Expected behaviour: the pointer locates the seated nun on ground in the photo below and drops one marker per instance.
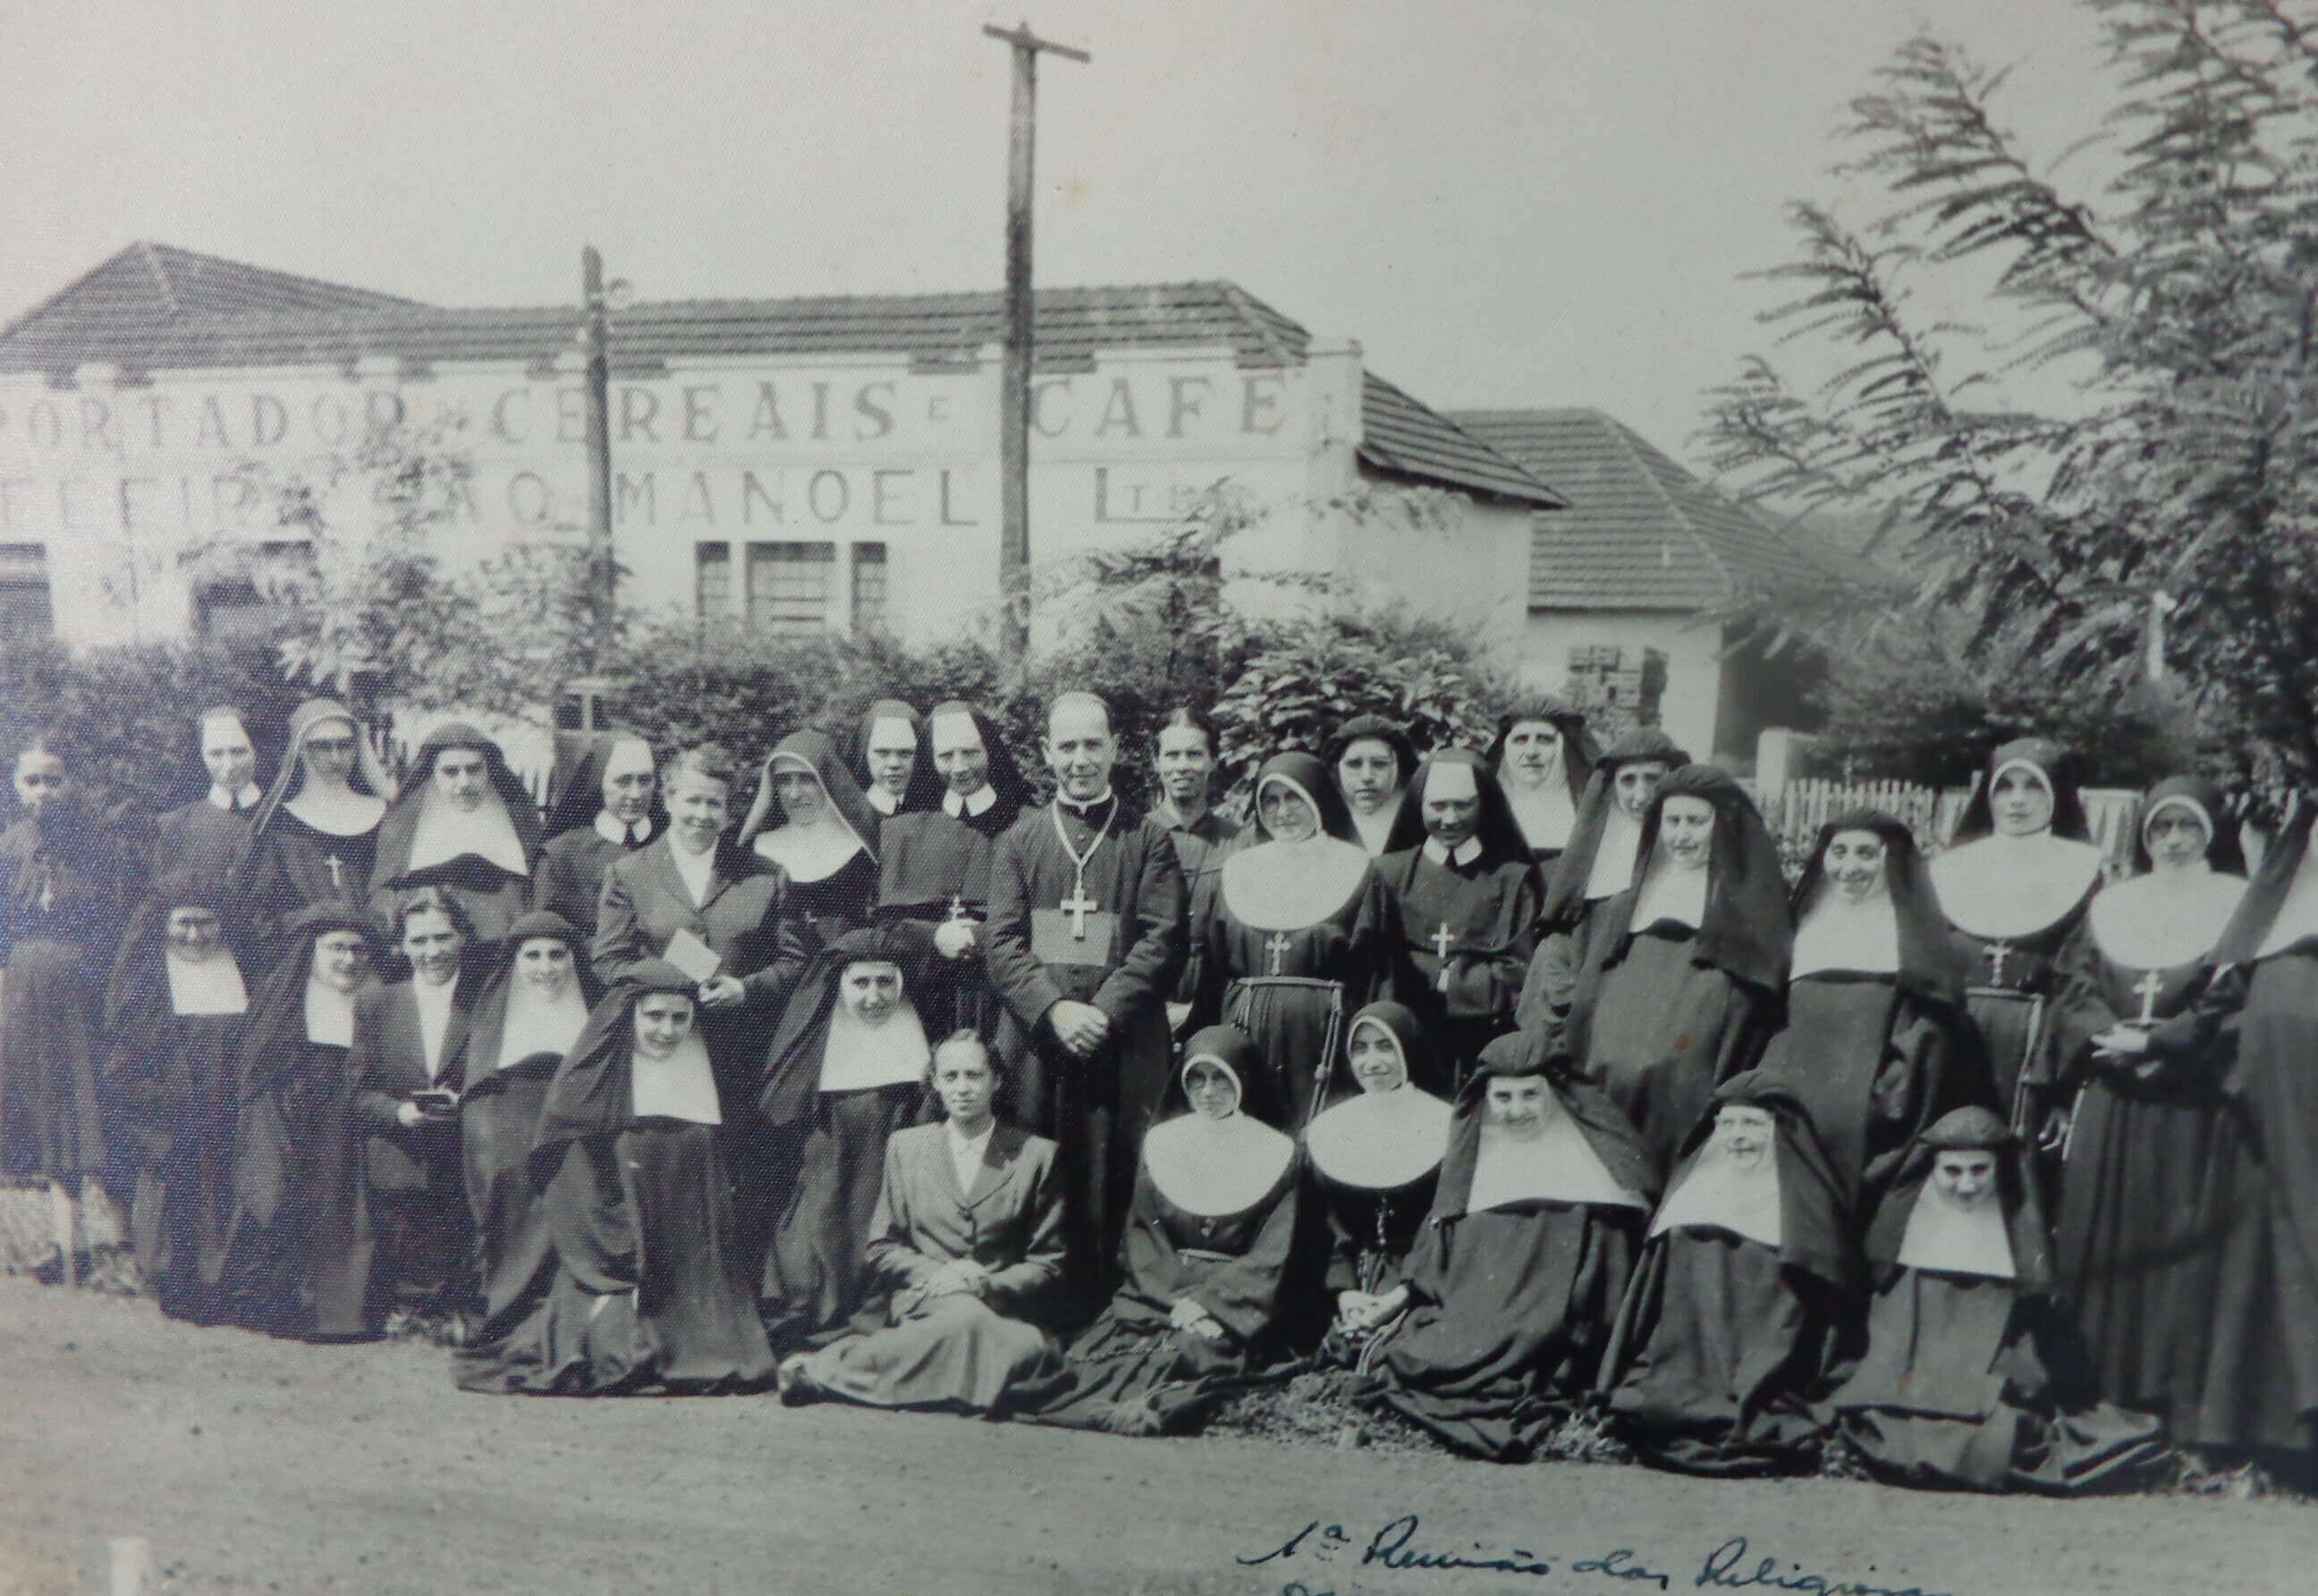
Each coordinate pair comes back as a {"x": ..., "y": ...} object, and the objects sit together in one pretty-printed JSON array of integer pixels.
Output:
[
  {"x": 1375, "y": 1154},
  {"x": 1514, "y": 1275},
  {"x": 1208, "y": 1235},
  {"x": 1728, "y": 1328},
  {"x": 649, "y": 1296},
  {"x": 966, "y": 1245},
  {"x": 1972, "y": 1377}
]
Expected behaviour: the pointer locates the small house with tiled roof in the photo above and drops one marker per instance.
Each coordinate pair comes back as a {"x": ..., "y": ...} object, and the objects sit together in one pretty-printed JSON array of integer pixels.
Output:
[
  {"x": 1633, "y": 584},
  {"x": 801, "y": 464}
]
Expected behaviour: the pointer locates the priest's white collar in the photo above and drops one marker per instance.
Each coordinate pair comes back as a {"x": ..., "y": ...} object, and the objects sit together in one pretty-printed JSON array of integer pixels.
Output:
[
  {"x": 881, "y": 800},
  {"x": 1466, "y": 851},
  {"x": 612, "y": 828},
  {"x": 980, "y": 801}
]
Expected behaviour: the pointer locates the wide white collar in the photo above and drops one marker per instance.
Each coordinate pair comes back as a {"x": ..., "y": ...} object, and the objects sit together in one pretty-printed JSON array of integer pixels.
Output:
[
  {"x": 447, "y": 832},
  {"x": 1837, "y": 934},
  {"x": 859, "y": 1057},
  {"x": 1213, "y": 1167},
  {"x": 2296, "y": 918},
  {"x": 1717, "y": 1194},
  {"x": 811, "y": 852},
  {"x": 329, "y": 1014},
  {"x": 1376, "y": 829},
  {"x": 339, "y": 812},
  {"x": 1614, "y": 856},
  {"x": 1286, "y": 887},
  {"x": 537, "y": 1025},
  {"x": 1467, "y": 851},
  {"x": 612, "y": 828},
  {"x": 1672, "y": 892},
  {"x": 1379, "y": 1141},
  {"x": 680, "y": 1086},
  {"x": 885, "y": 802},
  {"x": 1558, "y": 1165},
  {"x": 2165, "y": 919},
  {"x": 2006, "y": 888},
  {"x": 1956, "y": 1240},
  {"x": 980, "y": 801},
  {"x": 1545, "y": 813},
  {"x": 205, "y": 986}
]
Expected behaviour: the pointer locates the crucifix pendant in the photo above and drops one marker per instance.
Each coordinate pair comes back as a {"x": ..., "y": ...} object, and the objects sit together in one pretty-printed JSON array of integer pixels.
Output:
[
  {"x": 957, "y": 907},
  {"x": 1998, "y": 953},
  {"x": 2147, "y": 987},
  {"x": 1276, "y": 944},
  {"x": 1078, "y": 905},
  {"x": 1443, "y": 938},
  {"x": 337, "y": 873}
]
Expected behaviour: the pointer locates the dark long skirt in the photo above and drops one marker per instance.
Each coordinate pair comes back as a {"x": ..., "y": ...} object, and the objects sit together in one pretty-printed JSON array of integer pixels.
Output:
[
  {"x": 1959, "y": 1390},
  {"x": 514, "y": 1246},
  {"x": 1296, "y": 1023},
  {"x": 1714, "y": 1360},
  {"x": 1664, "y": 1032},
  {"x": 282, "y": 1169},
  {"x": 814, "y": 1284},
  {"x": 1132, "y": 1373},
  {"x": 179, "y": 1223},
  {"x": 648, "y": 1296},
  {"x": 52, "y": 1123},
  {"x": 1509, "y": 1337}
]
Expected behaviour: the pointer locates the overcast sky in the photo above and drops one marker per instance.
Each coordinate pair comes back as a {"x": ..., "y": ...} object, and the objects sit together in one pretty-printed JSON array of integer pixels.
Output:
[{"x": 1507, "y": 201}]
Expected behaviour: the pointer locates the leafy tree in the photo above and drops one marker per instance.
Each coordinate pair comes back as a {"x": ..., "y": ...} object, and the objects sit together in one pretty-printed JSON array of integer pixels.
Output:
[{"x": 2118, "y": 459}]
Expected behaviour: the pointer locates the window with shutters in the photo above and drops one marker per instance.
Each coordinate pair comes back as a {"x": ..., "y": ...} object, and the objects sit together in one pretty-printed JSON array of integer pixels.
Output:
[
  {"x": 869, "y": 587},
  {"x": 789, "y": 587}
]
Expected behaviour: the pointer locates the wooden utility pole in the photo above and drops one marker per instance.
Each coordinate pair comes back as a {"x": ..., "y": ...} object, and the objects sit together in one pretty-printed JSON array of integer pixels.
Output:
[
  {"x": 602, "y": 566},
  {"x": 1014, "y": 398}
]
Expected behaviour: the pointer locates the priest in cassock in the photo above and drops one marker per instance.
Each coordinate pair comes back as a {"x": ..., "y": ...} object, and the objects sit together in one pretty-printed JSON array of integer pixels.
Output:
[
  {"x": 891, "y": 762},
  {"x": 174, "y": 1012},
  {"x": 1086, "y": 936},
  {"x": 1208, "y": 1252},
  {"x": 1370, "y": 758},
  {"x": 315, "y": 835},
  {"x": 650, "y": 1295},
  {"x": 465, "y": 823},
  {"x": 205, "y": 835},
  {"x": 1543, "y": 757},
  {"x": 531, "y": 1010},
  {"x": 1469, "y": 895},
  {"x": 1972, "y": 1377},
  {"x": 810, "y": 818},
  {"x": 1683, "y": 975},
  {"x": 1514, "y": 1275},
  {"x": 290, "y": 1149},
  {"x": 2150, "y": 1124},
  {"x": 608, "y": 808},
  {"x": 967, "y": 1240},
  {"x": 1375, "y": 1154},
  {"x": 847, "y": 1069},
  {"x": 1728, "y": 1330},
  {"x": 2014, "y": 886},
  {"x": 1183, "y": 759},
  {"x": 1876, "y": 1043},
  {"x": 934, "y": 869},
  {"x": 1597, "y": 864},
  {"x": 1302, "y": 934},
  {"x": 2256, "y": 1391}
]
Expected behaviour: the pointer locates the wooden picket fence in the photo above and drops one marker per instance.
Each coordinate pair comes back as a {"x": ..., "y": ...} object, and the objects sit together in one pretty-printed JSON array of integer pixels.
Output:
[{"x": 1796, "y": 812}]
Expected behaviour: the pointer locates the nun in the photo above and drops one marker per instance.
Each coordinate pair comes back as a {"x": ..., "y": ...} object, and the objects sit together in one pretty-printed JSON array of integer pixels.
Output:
[
  {"x": 967, "y": 1244},
  {"x": 1970, "y": 1380},
  {"x": 532, "y": 1007},
  {"x": 59, "y": 918},
  {"x": 1469, "y": 895},
  {"x": 810, "y": 818},
  {"x": 464, "y": 824},
  {"x": 1370, "y": 759},
  {"x": 893, "y": 735},
  {"x": 1507, "y": 1295},
  {"x": 2150, "y": 1122},
  {"x": 1597, "y": 864},
  {"x": 1374, "y": 1153},
  {"x": 205, "y": 835},
  {"x": 1683, "y": 975},
  {"x": 174, "y": 1012},
  {"x": 847, "y": 1069},
  {"x": 2015, "y": 886},
  {"x": 650, "y": 1296},
  {"x": 2256, "y": 1391},
  {"x": 1543, "y": 757},
  {"x": 315, "y": 835},
  {"x": 1876, "y": 1043},
  {"x": 934, "y": 867},
  {"x": 1728, "y": 1331},
  {"x": 291, "y": 1148},
  {"x": 609, "y": 807},
  {"x": 1301, "y": 936},
  {"x": 1209, "y": 1232}
]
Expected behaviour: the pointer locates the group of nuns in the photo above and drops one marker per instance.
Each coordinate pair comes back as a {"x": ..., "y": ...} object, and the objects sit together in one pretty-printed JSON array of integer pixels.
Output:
[{"x": 1517, "y": 1084}]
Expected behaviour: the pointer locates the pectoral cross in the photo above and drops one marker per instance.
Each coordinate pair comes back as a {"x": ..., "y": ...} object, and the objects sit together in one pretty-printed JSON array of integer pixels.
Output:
[
  {"x": 1078, "y": 905},
  {"x": 48, "y": 894},
  {"x": 1998, "y": 952},
  {"x": 957, "y": 907},
  {"x": 338, "y": 878},
  {"x": 2147, "y": 987},
  {"x": 1441, "y": 939},
  {"x": 1276, "y": 944}
]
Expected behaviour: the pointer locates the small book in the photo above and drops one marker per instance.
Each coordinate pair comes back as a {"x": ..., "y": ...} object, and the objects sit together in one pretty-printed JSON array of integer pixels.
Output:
[{"x": 690, "y": 955}]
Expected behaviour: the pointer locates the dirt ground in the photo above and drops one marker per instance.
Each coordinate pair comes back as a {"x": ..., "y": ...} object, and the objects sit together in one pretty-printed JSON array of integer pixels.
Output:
[{"x": 253, "y": 1465}]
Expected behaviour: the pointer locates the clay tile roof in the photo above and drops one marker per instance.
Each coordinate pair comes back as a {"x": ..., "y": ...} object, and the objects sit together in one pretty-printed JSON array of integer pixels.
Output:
[
  {"x": 1640, "y": 532},
  {"x": 152, "y": 307}
]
